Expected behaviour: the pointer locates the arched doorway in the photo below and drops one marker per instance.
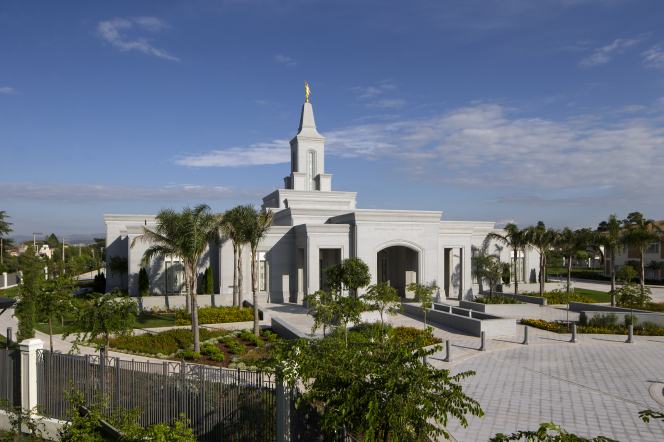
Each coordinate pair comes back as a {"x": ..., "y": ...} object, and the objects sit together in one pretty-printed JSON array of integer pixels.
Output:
[{"x": 398, "y": 266}]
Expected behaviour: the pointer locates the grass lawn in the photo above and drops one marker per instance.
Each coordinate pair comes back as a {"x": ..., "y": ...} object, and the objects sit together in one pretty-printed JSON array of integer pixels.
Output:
[
  {"x": 9, "y": 293},
  {"x": 142, "y": 321},
  {"x": 597, "y": 296},
  {"x": 562, "y": 271},
  {"x": 3, "y": 341}
]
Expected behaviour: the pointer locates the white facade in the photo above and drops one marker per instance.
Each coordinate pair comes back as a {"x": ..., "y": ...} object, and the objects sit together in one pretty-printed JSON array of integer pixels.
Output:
[{"x": 316, "y": 227}]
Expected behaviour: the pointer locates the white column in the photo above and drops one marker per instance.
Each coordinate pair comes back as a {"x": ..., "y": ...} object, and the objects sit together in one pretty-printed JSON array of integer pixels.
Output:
[{"x": 29, "y": 349}]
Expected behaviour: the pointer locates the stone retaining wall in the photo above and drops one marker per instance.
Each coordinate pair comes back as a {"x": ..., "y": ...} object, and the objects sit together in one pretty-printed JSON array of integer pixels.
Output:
[
  {"x": 501, "y": 309},
  {"x": 467, "y": 321}
]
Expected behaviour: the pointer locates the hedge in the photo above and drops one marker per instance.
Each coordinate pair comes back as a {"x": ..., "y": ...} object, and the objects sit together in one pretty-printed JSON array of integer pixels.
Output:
[{"x": 216, "y": 315}]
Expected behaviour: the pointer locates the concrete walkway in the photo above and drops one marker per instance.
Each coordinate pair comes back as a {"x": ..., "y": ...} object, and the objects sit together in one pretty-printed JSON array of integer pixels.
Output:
[{"x": 594, "y": 387}]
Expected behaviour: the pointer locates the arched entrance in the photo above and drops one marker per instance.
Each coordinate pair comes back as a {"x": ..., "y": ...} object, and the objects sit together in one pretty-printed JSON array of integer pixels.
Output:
[{"x": 398, "y": 266}]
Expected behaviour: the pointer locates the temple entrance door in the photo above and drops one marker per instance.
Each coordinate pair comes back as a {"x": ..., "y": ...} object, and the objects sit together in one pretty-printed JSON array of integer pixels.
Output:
[{"x": 397, "y": 265}]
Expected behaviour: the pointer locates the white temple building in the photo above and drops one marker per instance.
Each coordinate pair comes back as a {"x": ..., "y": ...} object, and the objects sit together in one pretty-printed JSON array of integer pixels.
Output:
[{"x": 316, "y": 227}]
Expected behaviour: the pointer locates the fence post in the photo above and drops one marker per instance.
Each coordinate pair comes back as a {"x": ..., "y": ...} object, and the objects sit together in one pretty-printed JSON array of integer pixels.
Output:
[
  {"x": 483, "y": 341},
  {"x": 9, "y": 337},
  {"x": 448, "y": 351},
  {"x": 630, "y": 334},
  {"x": 525, "y": 335},
  {"x": 283, "y": 408},
  {"x": 3, "y": 280},
  {"x": 29, "y": 396},
  {"x": 574, "y": 334}
]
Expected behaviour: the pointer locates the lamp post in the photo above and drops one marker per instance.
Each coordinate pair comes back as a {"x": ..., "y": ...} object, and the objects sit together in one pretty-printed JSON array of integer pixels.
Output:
[{"x": 64, "y": 238}]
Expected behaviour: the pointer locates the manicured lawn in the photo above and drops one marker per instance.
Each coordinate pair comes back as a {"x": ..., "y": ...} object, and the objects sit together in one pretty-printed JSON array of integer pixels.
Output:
[
  {"x": 3, "y": 341},
  {"x": 142, "y": 321},
  {"x": 9, "y": 293},
  {"x": 562, "y": 271},
  {"x": 595, "y": 295}
]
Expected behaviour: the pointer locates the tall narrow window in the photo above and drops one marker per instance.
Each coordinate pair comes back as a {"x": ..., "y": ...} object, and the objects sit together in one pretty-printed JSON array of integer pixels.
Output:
[
  {"x": 262, "y": 272},
  {"x": 175, "y": 280},
  {"x": 312, "y": 185}
]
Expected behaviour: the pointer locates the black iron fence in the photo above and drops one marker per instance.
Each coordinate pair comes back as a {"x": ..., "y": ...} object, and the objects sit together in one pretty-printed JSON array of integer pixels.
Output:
[
  {"x": 222, "y": 404},
  {"x": 10, "y": 375}
]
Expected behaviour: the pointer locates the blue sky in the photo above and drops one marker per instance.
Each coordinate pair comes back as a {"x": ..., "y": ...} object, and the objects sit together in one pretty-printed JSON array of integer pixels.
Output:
[{"x": 492, "y": 110}]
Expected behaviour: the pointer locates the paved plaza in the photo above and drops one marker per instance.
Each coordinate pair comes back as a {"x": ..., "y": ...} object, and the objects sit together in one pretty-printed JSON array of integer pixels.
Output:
[{"x": 594, "y": 387}]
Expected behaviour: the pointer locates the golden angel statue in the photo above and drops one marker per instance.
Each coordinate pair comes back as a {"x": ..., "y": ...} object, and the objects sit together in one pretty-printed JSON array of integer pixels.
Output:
[{"x": 306, "y": 90}]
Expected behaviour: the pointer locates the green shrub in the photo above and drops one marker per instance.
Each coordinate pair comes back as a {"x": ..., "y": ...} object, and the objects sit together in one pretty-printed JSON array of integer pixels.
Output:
[
  {"x": 225, "y": 339},
  {"x": 497, "y": 299},
  {"x": 218, "y": 357},
  {"x": 188, "y": 354},
  {"x": 628, "y": 320},
  {"x": 210, "y": 349},
  {"x": 603, "y": 321},
  {"x": 207, "y": 287},
  {"x": 216, "y": 315},
  {"x": 412, "y": 335},
  {"x": 252, "y": 338},
  {"x": 237, "y": 348},
  {"x": 166, "y": 342}
]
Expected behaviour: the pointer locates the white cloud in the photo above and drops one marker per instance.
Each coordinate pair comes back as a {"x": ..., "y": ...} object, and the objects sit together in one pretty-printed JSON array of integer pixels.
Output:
[
  {"x": 605, "y": 54},
  {"x": 278, "y": 151},
  {"x": 279, "y": 58},
  {"x": 77, "y": 193},
  {"x": 654, "y": 57},
  {"x": 8, "y": 90},
  {"x": 387, "y": 103},
  {"x": 114, "y": 32},
  {"x": 482, "y": 147}
]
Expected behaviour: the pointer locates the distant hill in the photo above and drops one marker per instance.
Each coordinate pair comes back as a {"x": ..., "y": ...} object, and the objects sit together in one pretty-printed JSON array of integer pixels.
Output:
[{"x": 73, "y": 239}]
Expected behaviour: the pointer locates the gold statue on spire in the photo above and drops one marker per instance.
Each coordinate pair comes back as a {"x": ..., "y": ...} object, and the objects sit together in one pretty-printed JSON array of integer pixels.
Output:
[{"x": 306, "y": 90}]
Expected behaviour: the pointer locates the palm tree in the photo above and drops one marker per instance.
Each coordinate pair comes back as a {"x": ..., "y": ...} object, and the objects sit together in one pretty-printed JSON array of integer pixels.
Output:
[
  {"x": 256, "y": 233},
  {"x": 514, "y": 238},
  {"x": 234, "y": 225},
  {"x": 542, "y": 239},
  {"x": 186, "y": 235},
  {"x": 610, "y": 239},
  {"x": 569, "y": 242},
  {"x": 640, "y": 235}
]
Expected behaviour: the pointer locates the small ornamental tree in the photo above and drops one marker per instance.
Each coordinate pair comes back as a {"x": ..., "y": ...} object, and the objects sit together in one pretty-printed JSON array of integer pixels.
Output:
[
  {"x": 382, "y": 391},
  {"x": 489, "y": 267},
  {"x": 321, "y": 308},
  {"x": 386, "y": 300},
  {"x": 424, "y": 295},
  {"x": 351, "y": 274},
  {"x": 143, "y": 282},
  {"x": 207, "y": 288},
  {"x": 106, "y": 316},
  {"x": 28, "y": 295},
  {"x": 54, "y": 300},
  {"x": 347, "y": 309},
  {"x": 119, "y": 266}
]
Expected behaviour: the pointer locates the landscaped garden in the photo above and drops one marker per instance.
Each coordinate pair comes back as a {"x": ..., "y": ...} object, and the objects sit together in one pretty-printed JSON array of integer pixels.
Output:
[
  {"x": 607, "y": 325},
  {"x": 496, "y": 299},
  {"x": 560, "y": 296}
]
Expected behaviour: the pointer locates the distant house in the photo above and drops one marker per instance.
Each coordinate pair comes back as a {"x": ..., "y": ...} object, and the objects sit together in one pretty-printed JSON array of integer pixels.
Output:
[
  {"x": 653, "y": 253},
  {"x": 18, "y": 250},
  {"x": 45, "y": 251}
]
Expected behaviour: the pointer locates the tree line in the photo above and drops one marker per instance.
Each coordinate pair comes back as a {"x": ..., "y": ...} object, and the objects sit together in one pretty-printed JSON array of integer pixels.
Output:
[{"x": 608, "y": 240}]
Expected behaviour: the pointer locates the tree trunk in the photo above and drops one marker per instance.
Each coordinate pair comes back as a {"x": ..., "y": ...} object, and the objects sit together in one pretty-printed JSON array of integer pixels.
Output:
[
  {"x": 239, "y": 277},
  {"x": 516, "y": 276},
  {"x": 50, "y": 332},
  {"x": 254, "y": 285},
  {"x": 490, "y": 290},
  {"x": 235, "y": 275},
  {"x": 194, "y": 311},
  {"x": 643, "y": 274},
  {"x": 613, "y": 279},
  {"x": 542, "y": 273}
]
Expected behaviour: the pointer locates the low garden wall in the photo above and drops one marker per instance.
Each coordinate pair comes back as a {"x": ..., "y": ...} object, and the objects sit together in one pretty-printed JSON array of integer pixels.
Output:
[
  {"x": 283, "y": 329},
  {"x": 501, "y": 309},
  {"x": 467, "y": 321},
  {"x": 178, "y": 301},
  {"x": 590, "y": 310}
]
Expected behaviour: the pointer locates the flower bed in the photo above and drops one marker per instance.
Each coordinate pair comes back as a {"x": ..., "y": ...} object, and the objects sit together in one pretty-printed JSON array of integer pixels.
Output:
[
  {"x": 497, "y": 299},
  {"x": 556, "y": 297},
  {"x": 560, "y": 327},
  {"x": 221, "y": 348},
  {"x": 216, "y": 315}
]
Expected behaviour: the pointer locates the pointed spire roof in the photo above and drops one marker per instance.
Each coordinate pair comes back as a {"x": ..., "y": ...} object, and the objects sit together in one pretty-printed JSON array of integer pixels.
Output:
[{"x": 307, "y": 123}]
